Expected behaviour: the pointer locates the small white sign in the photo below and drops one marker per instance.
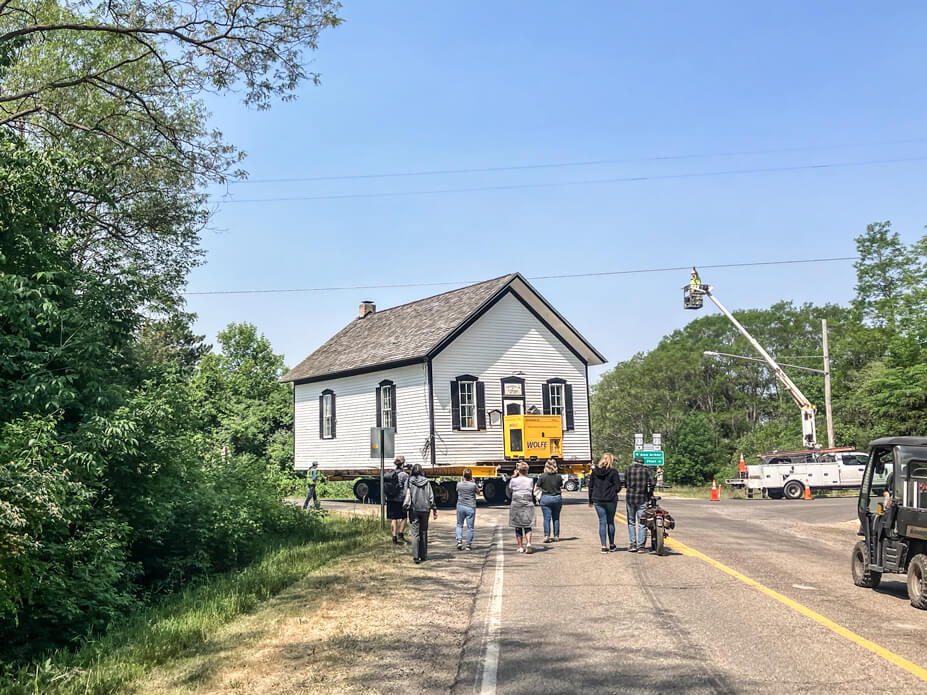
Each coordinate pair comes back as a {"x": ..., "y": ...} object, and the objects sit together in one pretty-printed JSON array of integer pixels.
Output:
[{"x": 512, "y": 390}]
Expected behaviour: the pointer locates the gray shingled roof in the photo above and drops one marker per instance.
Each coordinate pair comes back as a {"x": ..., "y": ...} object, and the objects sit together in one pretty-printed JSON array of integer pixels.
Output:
[{"x": 404, "y": 332}]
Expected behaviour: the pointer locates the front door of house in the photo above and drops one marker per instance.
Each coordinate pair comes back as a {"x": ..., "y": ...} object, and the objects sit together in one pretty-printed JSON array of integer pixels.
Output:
[{"x": 513, "y": 402}]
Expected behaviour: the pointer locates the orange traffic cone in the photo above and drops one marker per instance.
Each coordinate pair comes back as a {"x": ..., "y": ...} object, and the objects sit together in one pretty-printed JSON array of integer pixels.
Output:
[
  {"x": 742, "y": 467},
  {"x": 714, "y": 492},
  {"x": 807, "y": 488}
]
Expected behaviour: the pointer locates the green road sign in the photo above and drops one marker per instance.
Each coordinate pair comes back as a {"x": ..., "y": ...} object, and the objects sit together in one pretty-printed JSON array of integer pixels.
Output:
[{"x": 651, "y": 458}]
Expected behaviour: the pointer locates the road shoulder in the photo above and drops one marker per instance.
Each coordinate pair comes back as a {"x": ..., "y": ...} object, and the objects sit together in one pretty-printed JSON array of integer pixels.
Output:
[{"x": 369, "y": 623}]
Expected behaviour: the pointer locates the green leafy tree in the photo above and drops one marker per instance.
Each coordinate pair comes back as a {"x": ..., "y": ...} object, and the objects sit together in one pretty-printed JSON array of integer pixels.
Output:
[
  {"x": 120, "y": 85},
  {"x": 692, "y": 456},
  {"x": 881, "y": 273}
]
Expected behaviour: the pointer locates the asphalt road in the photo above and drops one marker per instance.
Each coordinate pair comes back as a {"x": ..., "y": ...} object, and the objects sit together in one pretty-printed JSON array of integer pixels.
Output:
[{"x": 753, "y": 597}]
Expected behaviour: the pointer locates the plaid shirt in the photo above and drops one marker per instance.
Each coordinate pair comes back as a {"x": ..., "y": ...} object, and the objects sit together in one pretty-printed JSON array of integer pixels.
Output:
[{"x": 639, "y": 484}]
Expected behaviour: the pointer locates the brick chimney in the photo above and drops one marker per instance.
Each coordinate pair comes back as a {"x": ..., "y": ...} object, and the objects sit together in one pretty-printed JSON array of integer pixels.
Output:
[{"x": 366, "y": 307}]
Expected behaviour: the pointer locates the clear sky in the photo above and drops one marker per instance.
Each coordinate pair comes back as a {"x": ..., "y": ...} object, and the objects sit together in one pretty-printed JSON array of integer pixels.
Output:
[{"x": 412, "y": 86}]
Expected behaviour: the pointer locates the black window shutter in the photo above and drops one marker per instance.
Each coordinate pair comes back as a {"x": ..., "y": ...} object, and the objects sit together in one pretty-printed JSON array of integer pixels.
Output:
[
  {"x": 568, "y": 398},
  {"x": 455, "y": 406},
  {"x": 394, "y": 402},
  {"x": 545, "y": 397},
  {"x": 480, "y": 405},
  {"x": 334, "y": 419},
  {"x": 321, "y": 416},
  {"x": 379, "y": 406}
]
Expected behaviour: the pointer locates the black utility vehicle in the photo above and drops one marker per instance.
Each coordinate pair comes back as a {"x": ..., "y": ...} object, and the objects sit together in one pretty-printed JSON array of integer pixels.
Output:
[{"x": 893, "y": 516}]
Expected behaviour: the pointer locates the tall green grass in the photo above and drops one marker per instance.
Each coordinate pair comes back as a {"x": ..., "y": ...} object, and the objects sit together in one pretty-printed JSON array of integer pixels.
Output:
[{"x": 182, "y": 623}]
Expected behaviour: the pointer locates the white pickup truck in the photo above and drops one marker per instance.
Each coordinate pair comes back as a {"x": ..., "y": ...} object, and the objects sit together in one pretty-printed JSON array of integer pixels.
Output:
[{"x": 786, "y": 473}]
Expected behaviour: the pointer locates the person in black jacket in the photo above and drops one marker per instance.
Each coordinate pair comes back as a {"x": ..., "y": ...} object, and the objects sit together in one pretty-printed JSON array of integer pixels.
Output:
[{"x": 604, "y": 486}]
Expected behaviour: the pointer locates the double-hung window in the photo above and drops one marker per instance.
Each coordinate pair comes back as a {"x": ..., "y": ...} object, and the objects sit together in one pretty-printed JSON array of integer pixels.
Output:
[
  {"x": 557, "y": 396},
  {"x": 556, "y": 400},
  {"x": 467, "y": 405}
]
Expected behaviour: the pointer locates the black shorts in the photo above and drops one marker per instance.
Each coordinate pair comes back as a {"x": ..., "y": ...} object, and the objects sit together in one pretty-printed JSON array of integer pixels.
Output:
[{"x": 394, "y": 510}]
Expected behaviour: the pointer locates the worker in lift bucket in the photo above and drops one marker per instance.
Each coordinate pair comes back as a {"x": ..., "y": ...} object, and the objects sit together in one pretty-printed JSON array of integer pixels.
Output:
[{"x": 696, "y": 280}]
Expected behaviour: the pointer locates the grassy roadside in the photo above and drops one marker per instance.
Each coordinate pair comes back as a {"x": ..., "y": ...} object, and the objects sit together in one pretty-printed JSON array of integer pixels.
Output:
[{"x": 115, "y": 662}]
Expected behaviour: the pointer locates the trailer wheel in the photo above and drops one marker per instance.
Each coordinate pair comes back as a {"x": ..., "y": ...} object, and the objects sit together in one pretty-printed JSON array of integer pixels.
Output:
[
  {"x": 367, "y": 490},
  {"x": 793, "y": 490},
  {"x": 862, "y": 575},
  {"x": 440, "y": 493},
  {"x": 494, "y": 491},
  {"x": 571, "y": 485},
  {"x": 362, "y": 488},
  {"x": 917, "y": 581},
  {"x": 450, "y": 487}
]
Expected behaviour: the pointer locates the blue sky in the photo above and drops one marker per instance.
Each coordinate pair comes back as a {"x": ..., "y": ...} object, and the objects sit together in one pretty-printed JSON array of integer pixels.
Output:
[{"x": 411, "y": 86}]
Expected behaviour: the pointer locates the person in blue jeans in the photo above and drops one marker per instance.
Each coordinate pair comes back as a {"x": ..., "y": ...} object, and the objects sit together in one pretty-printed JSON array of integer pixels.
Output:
[
  {"x": 604, "y": 486},
  {"x": 312, "y": 481},
  {"x": 640, "y": 488},
  {"x": 466, "y": 508},
  {"x": 551, "y": 483}
]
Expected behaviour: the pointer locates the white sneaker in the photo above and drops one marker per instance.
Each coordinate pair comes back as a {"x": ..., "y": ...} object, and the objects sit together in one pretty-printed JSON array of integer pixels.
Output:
[{"x": 521, "y": 550}]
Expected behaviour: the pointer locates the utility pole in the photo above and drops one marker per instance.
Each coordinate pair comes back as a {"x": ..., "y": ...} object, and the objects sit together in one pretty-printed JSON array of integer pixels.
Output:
[{"x": 827, "y": 410}]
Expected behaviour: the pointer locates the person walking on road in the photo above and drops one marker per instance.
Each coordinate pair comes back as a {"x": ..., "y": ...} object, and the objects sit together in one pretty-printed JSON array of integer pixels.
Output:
[
  {"x": 394, "y": 487},
  {"x": 466, "y": 508},
  {"x": 521, "y": 512},
  {"x": 604, "y": 486},
  {"x": 640, "y": 484},
  {"x": 419, "y": 500},
  {"x": 551, "y": 484},
  {"x": 312, "y": 480}
]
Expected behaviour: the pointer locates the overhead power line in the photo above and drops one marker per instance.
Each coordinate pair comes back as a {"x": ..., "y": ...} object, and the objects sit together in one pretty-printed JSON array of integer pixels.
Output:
[
  {"x": 535, "y": 277},
  {"x": 593, "y": 162},
  {"x": 585, "y": 182}
]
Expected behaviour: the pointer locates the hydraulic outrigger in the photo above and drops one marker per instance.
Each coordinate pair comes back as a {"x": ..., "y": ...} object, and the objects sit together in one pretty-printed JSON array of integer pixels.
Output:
[{"x": 693, "y": 298}]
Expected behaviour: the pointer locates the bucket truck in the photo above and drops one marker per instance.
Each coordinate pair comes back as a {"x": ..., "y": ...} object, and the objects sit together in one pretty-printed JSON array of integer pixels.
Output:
[{"x": 693, "y": 298}]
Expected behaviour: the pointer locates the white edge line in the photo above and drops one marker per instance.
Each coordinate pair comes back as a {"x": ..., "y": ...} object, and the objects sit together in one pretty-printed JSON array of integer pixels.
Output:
[{"x": 493, "y": 625}]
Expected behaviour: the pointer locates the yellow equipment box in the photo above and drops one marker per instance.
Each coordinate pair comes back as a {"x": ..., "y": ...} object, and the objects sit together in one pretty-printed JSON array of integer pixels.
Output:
[{"x": 539, "y": 436}]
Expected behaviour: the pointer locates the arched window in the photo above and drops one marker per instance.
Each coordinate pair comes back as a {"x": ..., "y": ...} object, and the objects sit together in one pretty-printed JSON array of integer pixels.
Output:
[
  {"x": 327, "y": 414},
  {"x": 386, "y": 404}
]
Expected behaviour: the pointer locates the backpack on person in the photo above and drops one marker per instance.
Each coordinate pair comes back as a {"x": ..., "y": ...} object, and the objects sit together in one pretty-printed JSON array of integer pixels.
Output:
[{"x": 391, "y": 485}]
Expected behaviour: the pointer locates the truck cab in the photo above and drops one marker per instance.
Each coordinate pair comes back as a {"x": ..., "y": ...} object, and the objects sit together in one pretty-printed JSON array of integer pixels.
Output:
[{"x": 892, "y": 510}]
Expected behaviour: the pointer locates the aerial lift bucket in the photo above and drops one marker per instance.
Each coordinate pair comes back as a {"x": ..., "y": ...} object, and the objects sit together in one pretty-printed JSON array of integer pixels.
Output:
[{"x": 691, "y": 297}]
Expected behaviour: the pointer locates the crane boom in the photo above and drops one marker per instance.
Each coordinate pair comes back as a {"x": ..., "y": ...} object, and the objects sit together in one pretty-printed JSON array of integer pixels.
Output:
[{"x": 808, "y": 426}]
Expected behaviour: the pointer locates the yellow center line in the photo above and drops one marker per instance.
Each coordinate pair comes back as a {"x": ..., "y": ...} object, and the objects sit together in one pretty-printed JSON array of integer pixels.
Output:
[{"x": 879, "y": 650}]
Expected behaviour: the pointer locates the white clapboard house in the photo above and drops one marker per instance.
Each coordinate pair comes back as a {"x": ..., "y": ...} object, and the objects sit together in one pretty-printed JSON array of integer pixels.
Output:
[{"x": 442, "y": 371}]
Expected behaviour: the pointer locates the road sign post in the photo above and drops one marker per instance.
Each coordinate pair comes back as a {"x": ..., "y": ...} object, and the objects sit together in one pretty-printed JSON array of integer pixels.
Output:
[{"x": 382, "y": 444}]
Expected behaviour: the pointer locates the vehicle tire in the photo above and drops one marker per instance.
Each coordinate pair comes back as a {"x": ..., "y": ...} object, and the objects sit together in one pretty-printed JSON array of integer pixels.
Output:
[
  {"x": 363, "y": 489},
  {"x": 494, "y": 491},
  {"x": 917, "y": 581},
  {"x": 858, "y": 566},
  {"x": 450, "y": 486},
  {"x": 571, "y": 485},
  {"x": 658, "y": 538},
  {"x": 440, "y": 493},
  {"x": 793, "y": 490}
]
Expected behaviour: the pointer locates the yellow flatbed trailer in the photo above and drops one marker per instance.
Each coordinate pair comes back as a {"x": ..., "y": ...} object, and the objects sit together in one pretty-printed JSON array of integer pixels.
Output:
[{"x": 491, "y": 476}]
